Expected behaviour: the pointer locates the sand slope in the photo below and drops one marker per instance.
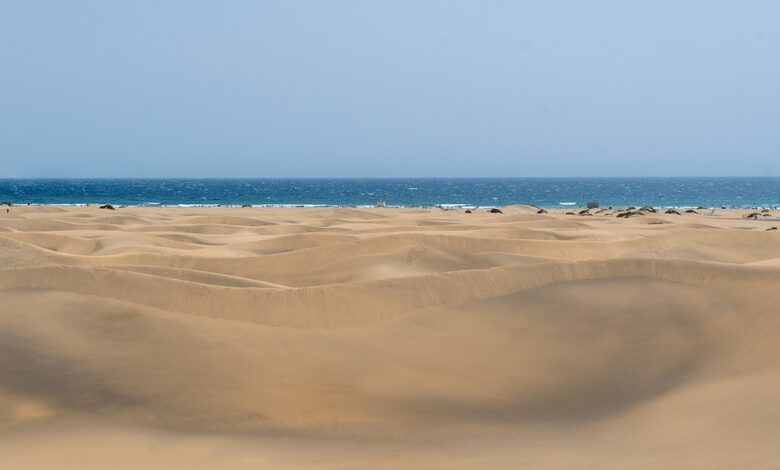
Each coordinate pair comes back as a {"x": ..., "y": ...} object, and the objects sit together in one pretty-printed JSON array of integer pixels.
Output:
[{"x": 251, "y": 338}]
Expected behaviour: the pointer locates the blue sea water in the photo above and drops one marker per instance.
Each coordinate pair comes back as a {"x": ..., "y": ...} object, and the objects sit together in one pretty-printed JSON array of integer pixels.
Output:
[{"x": 545, "y": 192}]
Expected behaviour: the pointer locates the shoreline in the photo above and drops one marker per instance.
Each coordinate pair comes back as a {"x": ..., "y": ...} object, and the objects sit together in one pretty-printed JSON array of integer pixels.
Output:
[{"x": 444, "y": 206}]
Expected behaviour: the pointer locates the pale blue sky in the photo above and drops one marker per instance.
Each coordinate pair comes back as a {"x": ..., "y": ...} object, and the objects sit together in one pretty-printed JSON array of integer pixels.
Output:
[{"x": 392, "y": 88}]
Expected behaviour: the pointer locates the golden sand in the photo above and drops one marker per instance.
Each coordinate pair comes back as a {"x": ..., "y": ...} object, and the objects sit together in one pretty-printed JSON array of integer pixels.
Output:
[{"x": 385, "y": 338}]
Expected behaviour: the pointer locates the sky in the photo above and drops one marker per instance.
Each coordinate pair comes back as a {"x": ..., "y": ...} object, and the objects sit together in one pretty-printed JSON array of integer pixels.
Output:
[{"x": 389, "y": 88}]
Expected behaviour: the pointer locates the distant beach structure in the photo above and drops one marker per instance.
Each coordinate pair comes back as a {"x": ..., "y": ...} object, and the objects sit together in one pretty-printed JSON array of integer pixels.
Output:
[{"x": 593, "y": 205}]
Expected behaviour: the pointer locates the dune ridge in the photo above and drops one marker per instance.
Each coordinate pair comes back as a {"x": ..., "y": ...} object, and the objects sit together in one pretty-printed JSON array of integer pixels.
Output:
[{"x": 360, "y": 302}]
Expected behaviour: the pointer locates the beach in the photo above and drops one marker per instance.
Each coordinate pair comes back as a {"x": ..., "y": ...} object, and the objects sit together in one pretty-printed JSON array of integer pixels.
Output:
[{"x": 165, "y": 337}]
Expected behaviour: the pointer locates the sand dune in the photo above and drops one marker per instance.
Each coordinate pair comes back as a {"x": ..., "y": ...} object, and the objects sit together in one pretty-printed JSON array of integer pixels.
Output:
[{"x": 353, "y": 338}]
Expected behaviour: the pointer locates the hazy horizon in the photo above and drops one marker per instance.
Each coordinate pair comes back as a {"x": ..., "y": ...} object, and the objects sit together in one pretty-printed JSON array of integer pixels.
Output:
[
  {"x": 389, "y": 89},
  {"x": 412, "y": 177}
]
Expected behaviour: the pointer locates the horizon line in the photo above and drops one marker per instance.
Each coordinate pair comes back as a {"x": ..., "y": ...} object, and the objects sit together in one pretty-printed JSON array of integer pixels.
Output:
[{"x": 364, "y": 177}]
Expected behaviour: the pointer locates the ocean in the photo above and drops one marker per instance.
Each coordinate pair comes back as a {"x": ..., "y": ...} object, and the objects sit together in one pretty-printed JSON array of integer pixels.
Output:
[{"x": 484, "y": 192}]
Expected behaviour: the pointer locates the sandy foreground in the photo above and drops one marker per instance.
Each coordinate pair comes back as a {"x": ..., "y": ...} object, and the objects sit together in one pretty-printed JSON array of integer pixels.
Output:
[{"x": 351, "y": 338}]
